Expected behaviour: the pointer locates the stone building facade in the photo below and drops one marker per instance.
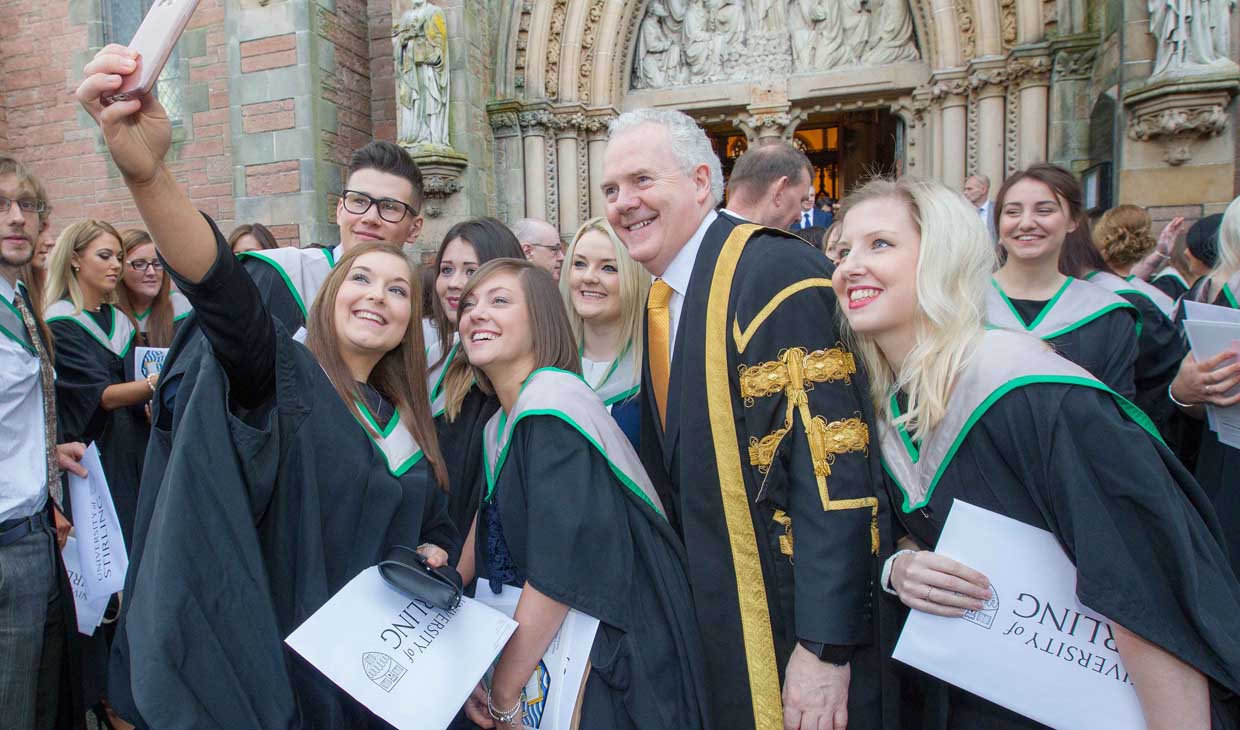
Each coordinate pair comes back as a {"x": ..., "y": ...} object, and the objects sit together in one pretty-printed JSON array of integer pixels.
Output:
[{"x": 270, "y": 96}]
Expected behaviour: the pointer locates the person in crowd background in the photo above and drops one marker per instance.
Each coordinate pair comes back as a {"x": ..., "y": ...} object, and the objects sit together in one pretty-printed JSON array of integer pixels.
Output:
[
  {"x": 465, "y": 247},
  {"x": 571, "y": 518},
  {"x": 604, "y": 294},
  {"x": 809, "y": 216},
  {"x": 251, "y": 237},
  {"x": 36, "y": 611},
  {"x": 1138, "y": 528},
  {"x": 814, "y": 235},
  {"x": 540, "y": 243},
  {"x": 767, "y": 185},
  {"x": 832, "y": 246},
  {"x": 1211, "y": 381},
  {"x": 145, "y": 294},
  {"x": 977, "y": 191},
  {"x": 272, "y": 428},
  {"x": 734, "y": 312},
  {"x": 1037, "y": 209}
]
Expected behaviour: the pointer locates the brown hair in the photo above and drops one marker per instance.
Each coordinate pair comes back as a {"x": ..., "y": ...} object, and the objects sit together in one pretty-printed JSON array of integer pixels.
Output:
[
  {"x": 760, "y": 167},
  {"x": 550, "y": 331},
  {"x": 1123, "y": 235},
  {"x": 27, "y": 179},
  {"x": 266, "y": 240},
  {"x": 399, "y": 375},
  {"x": 160, "y": 315},
  {"x": 1078, "y": 256}
]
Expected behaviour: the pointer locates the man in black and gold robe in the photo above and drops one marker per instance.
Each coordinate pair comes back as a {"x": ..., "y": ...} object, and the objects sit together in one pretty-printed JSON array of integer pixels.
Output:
[{"x": 755, "y": 431}]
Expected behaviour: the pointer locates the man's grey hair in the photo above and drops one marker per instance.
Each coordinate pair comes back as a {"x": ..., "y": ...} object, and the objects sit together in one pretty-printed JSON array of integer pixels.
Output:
[
  {"x": 980, "y": 178},
  {"x": 689, "y": 142},
  {"x": 527, "y": 229}
]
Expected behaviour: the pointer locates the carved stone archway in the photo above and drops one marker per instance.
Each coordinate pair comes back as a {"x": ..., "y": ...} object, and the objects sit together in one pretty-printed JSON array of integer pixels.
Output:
[{"x": 975, "y": 102}]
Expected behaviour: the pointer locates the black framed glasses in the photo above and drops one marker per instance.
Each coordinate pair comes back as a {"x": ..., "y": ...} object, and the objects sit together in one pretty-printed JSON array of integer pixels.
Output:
[
  {"x": 143, "y": 264},
  {"x": 25, "y": 205},
  {"x": 390, "y": 210},
  {"x": 556, "y": 247}
]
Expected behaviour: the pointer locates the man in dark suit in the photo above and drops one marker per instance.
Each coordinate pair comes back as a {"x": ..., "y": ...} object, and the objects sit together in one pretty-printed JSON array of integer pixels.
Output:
[
  {"x": 754, "y": 429},
  {"x": 810, "y": 216}
]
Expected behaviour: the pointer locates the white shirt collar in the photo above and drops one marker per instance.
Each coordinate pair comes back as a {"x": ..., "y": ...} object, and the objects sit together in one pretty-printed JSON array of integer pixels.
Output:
[
  {"x": 680, "y": 270},
  {"x": 736, "y": 215},
  {"x": 7, "y": 290}
]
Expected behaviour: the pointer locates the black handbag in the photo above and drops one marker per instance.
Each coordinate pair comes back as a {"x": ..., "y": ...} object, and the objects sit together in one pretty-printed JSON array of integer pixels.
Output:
[{"x": 408, "y": 573}]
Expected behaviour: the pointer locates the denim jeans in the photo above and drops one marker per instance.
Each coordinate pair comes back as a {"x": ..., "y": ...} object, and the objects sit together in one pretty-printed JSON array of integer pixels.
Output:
[{"x": 31, "y": 633}]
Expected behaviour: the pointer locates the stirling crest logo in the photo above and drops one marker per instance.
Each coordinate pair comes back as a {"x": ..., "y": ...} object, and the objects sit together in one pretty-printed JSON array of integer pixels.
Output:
[
  {"x": 382, "y": 669},
  {"x": 990, "y": 609}
]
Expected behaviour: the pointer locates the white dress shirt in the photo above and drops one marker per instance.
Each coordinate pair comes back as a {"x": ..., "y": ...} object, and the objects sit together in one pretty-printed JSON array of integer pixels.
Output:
[
  {"x": 23, "y": 459},
  {"x": 677, "y": 275}
]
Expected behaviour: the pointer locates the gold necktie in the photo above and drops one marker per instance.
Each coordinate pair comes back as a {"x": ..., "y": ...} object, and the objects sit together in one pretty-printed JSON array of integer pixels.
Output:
[
  {"x": 46, "y": 384},
  {"x": 658, "y": 330}
]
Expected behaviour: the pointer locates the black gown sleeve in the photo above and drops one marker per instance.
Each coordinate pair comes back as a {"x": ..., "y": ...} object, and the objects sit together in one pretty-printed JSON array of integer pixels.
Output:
[
  {"x": 1162, "y": 348},
  {"x": 275, "y": 293},
  {"x": 83, "y": 371},
  {"x": 233, "y": 318},
  {"x": 437, "y": 526},
  {"x": 834, "y": 520},
  {"x": 1170, "y": 286},
  {"x": 1139, "y": 529},
  {"x": 1119, "y": 364}
]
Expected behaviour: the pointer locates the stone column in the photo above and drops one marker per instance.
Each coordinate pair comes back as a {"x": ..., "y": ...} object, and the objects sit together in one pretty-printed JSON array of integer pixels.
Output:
[
  {"x": 953, "y": 128},
  {"x": 509, "y": 167},
  {"x": 566, "y": 164},
  {"x": 534, "y": 141},
  {"x": 989, "y": 85},
  {"x": 1033, "y": 76},
  {"x": 596, "y": 143}
]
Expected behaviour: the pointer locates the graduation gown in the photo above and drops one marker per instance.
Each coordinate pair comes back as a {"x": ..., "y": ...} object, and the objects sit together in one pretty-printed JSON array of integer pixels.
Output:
[
  {"x": 1140, "y": 531},
  {"x": 1218, "y": 465},
  {"x": 1161, "y": 347},
  {"x": 618, "y": 387},
  {"x": 1170, "y": 282},
  {"x": 181, "y": 308},
  {"x": 262, "y": 514},
  {"x": 575, "y": 516},
  {"x": 89, "y": 358},
  {"x": 1085, "y": 323},
  {"x": 765, "y": 456}
]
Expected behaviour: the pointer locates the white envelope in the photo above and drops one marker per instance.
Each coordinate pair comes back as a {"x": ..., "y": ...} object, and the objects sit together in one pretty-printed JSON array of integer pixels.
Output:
[
  {"x": 89, "y": 609},
  {"x": 1033, "y": 648},
  {"x": 409, "y": 663},
  {"x": 101, "y": 546}
]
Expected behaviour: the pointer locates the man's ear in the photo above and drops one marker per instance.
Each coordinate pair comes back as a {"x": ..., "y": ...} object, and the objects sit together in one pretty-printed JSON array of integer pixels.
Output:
[
  {"x": 701, "y": 181},
  {"x": 415, "y": 230},
  {"x": 526, "y": 249}
]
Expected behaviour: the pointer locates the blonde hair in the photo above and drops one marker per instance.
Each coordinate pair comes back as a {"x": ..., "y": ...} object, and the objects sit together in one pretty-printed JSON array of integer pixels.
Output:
[
  {"x": 1228, "y": 248},
  {"x": 62, "y": 282},
  {"x": 1123, "y": 235},
  {"x": 634, "y": 284},
  {"x": 953, "y": 270}
]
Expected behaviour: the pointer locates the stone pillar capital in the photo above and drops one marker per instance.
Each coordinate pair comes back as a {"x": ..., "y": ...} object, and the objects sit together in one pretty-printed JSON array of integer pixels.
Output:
[{"x": 1179, "y": 111}]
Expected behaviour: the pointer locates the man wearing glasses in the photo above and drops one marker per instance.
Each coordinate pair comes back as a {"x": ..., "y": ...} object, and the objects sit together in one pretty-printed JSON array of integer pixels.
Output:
[{"x": 540, "y": 242}]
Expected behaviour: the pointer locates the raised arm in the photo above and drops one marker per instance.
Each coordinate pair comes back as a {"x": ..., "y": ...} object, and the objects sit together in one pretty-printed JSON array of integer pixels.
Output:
[{"x": 138, "y": 134}]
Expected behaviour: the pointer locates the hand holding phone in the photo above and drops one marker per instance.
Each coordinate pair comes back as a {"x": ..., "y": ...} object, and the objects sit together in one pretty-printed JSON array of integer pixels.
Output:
[{"x": 156, "y": 37}]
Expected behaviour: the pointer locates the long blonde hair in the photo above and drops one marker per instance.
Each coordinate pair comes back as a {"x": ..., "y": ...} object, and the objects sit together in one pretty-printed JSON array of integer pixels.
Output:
[
  {"x": 634, "y": 284},
  {"x": 1228, "y": 248},
  {"x": 62, "y": 282},
  {"x": 953, "y": 270},
  {"x": 400, "y": 373}
]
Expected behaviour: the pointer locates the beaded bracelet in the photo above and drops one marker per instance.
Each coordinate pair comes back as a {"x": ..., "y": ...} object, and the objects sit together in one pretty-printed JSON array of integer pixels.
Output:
[{"x": 508, "y": 717}]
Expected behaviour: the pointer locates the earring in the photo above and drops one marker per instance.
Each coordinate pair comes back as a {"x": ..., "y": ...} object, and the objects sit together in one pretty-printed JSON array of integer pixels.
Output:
[{"x": 77, "y": 268}]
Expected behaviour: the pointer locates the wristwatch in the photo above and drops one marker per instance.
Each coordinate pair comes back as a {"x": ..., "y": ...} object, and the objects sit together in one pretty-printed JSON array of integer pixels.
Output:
[{"x": 837, "y": 654}]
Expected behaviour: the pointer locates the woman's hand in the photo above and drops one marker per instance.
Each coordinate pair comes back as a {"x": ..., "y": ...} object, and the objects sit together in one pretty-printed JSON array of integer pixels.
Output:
[
  {"x": 476, "y": 708},
  {"x": 936, "y": 584},
  {"x": 1166, "y": 238},
  {"x": 137, "y": 131},
  {"x": 1208, "y": 381},
  {"x": 435, "y": 556}
]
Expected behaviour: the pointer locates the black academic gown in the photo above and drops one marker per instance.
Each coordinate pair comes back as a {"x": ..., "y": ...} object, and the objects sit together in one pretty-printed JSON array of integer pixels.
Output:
[
  {"x": 1140, "y": 531},
  {"x": 580, "y": 537},
  {"x": 262, "y": 514},
  {"x": 1107, "y": 347},
  {"x": 460, "y": 441},
  {"x": 1161, "y": 348},
  {"x": 1218, "y": 465},
  {"x": 1173, "y": 285},
  {"x": 743, "y": 512}
]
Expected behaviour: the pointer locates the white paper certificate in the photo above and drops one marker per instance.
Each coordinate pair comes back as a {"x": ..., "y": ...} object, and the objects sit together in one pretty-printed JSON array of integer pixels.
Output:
[
  {"x": 1033, "y": 649},
  {"x": 101, "y": 546},
  {"x": 406, "y": 661},
  {"x": 89, "y": 609},
  {"x": 551, "y": 692},
  {"x": 148, "y": 360}
]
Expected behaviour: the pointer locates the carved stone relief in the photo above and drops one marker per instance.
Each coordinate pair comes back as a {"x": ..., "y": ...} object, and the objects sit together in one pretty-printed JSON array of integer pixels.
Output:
[
  {"x": 420, "y": 55},
  {"x": 552, "y": 83},
  {"x": 689, "y": 42},
  {"x": 1192, "y": 36}
]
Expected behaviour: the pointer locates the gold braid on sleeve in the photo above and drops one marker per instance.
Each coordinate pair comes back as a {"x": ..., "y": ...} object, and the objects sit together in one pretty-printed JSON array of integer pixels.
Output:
[{"x": 795, "y": 373}]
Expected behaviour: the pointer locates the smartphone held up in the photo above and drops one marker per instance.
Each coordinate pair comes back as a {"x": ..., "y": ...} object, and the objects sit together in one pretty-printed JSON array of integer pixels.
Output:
[{"x": 156, "y": 37}]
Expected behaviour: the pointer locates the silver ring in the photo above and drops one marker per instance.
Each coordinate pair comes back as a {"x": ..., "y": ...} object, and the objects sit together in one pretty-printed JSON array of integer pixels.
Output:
[{"x": 929, "y": 590}]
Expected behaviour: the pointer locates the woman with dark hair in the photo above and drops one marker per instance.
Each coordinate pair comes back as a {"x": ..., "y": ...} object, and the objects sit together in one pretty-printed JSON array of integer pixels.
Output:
[
  {"x": 466, "y": 246},
  {"x": 145, "y": 294},
  {"x": 251, "y": 237},
  {"x": 290, "y": 468},
  {"x": 1038, "y": 209},
  {"x": 570, "y": 518}
]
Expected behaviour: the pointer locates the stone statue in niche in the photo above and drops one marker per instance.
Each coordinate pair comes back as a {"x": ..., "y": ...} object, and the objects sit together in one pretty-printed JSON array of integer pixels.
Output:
[
  {"x": 1192, "y": 35},
  {"x": 688, "y": 42},
  {"x": 420, "y": 56}
]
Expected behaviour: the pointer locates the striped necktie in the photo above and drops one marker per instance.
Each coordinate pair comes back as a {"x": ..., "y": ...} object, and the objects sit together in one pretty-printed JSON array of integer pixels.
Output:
[
  {"x": 658, "y": 330},
  {"x": 47, "y": 386}
]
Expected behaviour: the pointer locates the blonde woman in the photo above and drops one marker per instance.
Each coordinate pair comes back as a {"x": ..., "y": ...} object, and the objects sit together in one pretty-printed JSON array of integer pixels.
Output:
[
  {"x": 993, "y": 417},
  {"x": 1213, "y": 381},
  {"x": 604, "y": 294},
  {"x": 98, "y": 398}
]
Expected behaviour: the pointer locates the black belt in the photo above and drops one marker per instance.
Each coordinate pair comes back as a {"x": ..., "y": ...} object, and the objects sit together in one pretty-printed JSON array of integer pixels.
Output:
[{"x": 13, "y": 530}]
